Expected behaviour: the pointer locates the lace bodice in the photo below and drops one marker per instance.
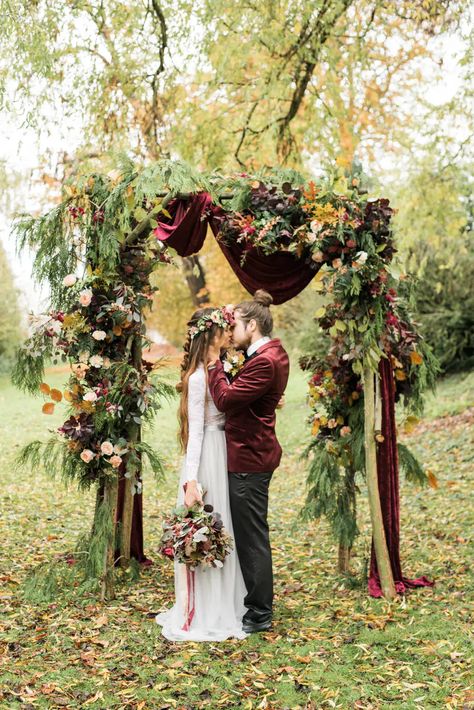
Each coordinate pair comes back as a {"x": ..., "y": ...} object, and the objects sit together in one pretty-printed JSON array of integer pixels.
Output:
[{"x": 202, "y": 412}]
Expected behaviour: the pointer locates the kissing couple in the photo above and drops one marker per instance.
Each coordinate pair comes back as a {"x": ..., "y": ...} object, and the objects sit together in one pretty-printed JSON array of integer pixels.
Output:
[{"x": 227, "y": 433}]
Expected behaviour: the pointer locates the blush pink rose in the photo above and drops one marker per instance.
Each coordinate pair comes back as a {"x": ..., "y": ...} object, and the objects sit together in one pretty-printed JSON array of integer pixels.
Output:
[
  {"x": 115, "y": 461},
  {"x": 85, "y": 297},
  {"x": 87, "y": 455},
  {"x": 90, "y": 397},
  {"x": 69, "y": 280}
]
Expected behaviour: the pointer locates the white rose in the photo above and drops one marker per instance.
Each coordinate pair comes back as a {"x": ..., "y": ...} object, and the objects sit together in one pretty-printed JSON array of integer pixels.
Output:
[
  {"x": 315, "y": 226},
  {"x": 107, "y": 448},
  {"x": 96, "y": 361},
  {"x": 90, "y": 397},
  {"x": 99, "y": 334},
  {"x": 69, "y": 280},
  {"x": 361, "y": 257},
  {"x": 227, "y": 366}
]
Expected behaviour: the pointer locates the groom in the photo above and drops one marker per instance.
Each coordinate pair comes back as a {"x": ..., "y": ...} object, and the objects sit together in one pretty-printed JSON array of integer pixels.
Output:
[{"x": 253, "y": 451}]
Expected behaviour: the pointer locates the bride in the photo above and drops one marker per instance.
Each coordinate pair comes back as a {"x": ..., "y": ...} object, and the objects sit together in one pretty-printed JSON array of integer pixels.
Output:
[{"x": 218, "y": 592}]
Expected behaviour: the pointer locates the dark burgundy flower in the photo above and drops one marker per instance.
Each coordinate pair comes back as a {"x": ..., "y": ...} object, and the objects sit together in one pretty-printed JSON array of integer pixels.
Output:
[
  {"x": 391, "y": 319},
  {"x": 391, "y": 295},
  {"x": 78, "y": 428}
]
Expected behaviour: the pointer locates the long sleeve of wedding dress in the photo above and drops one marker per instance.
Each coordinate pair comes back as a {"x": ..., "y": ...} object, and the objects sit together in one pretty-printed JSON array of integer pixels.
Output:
[{"x": 196, "y": 416}]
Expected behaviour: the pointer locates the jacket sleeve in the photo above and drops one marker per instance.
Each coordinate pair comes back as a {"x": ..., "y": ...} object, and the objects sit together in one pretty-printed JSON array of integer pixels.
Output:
[
  {"x": 254, "y": 381},
  {"x": 196, "y": 410}
]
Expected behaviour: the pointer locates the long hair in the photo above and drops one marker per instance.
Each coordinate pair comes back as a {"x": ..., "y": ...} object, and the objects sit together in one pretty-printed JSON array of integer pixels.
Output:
[
  {"x": 259, "y": 310},
  {"x": 195, "y": 353}
]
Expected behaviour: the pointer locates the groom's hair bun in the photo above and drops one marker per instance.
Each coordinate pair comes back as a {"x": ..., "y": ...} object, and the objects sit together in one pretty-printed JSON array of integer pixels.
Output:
[
  {"x": 259, "y": 310},
  {"x": 263, "y": 297}
]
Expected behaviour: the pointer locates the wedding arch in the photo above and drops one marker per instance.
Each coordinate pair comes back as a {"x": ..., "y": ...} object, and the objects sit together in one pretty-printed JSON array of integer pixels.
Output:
[{"x": 97, "y": 250}]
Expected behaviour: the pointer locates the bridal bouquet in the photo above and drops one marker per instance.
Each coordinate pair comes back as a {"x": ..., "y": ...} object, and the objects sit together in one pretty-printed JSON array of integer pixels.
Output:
[{"x": 195, "y": 536}]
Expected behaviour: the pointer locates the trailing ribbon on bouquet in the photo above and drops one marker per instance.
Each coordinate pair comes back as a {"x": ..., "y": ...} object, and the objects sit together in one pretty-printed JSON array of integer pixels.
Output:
[{"x": 189, "y": 614}]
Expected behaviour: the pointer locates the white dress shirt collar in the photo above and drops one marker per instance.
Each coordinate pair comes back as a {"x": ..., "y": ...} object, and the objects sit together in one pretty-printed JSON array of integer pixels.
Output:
[{"x": 257, "y": 344}]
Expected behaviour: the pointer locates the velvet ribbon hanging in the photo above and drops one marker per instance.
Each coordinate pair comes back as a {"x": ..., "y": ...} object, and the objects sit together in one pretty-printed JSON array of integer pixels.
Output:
[
  {"x": 387, "y": 474},
  {"x": 283, "y": 275}
]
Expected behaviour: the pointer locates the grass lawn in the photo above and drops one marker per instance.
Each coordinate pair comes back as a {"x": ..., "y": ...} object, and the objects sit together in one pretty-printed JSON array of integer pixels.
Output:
[{"x": 331, "y": 646}]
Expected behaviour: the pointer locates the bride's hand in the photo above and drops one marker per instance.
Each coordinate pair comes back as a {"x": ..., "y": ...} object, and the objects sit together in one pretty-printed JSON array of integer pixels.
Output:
[{"x": 192, "y": 494}]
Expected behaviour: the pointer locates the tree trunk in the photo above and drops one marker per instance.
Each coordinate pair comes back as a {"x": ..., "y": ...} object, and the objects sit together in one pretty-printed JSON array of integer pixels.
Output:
[
  {"x": 344, "y": 558},
  {"x": 110, "y": 501},
  {"x": 378, "y": 531},
  {"x": 196, "y": 279}
]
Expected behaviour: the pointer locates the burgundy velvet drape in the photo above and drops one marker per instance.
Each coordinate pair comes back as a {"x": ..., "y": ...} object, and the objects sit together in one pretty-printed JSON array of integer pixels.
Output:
[
  {"x": 284, "y": 276},
  {"x": 281, "y": 274},
  {"x": 387, "y": 474},
  {"x": 136, "y": 537}
]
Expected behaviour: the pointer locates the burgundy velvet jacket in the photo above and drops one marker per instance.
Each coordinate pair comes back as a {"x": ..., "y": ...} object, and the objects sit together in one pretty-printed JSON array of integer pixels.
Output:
[{"x": 249, "y": 403}]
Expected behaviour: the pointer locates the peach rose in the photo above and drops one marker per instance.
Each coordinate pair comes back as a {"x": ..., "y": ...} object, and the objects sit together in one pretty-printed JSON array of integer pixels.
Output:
[
  {"x": 87, "y": 455},
  {"x": 79, "y": 369},
  {"x": 85, "y": 297},
  {"x": 115, "y": 461}
]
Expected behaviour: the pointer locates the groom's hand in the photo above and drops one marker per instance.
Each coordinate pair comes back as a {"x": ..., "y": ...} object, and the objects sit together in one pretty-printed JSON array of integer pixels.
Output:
[{"x": 191, "y": 494}]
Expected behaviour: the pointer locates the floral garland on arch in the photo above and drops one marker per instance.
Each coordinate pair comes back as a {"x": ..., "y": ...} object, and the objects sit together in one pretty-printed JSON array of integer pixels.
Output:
[
  {"x": 346, "y": 236},
  {"x": 97, "y": 257}
]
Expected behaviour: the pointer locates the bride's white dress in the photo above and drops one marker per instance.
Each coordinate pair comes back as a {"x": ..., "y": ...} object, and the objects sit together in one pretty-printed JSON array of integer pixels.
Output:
[{"x": 219, "y": 592}]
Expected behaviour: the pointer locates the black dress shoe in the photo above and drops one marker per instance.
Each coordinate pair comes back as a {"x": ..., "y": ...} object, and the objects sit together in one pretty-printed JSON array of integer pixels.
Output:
[{"x": 251, "y": 627}]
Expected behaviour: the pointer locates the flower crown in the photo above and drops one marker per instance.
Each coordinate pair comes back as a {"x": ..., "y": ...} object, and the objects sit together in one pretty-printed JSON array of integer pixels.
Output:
[{"x": 222, "y": 317}]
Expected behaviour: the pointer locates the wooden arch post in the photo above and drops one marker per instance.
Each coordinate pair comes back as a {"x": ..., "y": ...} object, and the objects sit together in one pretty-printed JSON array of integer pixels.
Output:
[{"x": 371, "y": 405}]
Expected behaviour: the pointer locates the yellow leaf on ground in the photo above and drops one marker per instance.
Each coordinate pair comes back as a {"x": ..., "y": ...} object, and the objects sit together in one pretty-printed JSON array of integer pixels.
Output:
[{"x": 432, "y": 480}]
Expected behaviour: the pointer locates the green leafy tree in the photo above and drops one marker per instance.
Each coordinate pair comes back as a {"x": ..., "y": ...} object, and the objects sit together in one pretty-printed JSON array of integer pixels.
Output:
[
  {"x": 435, "y": 227},
  {"x": 10, "y": 318}
]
